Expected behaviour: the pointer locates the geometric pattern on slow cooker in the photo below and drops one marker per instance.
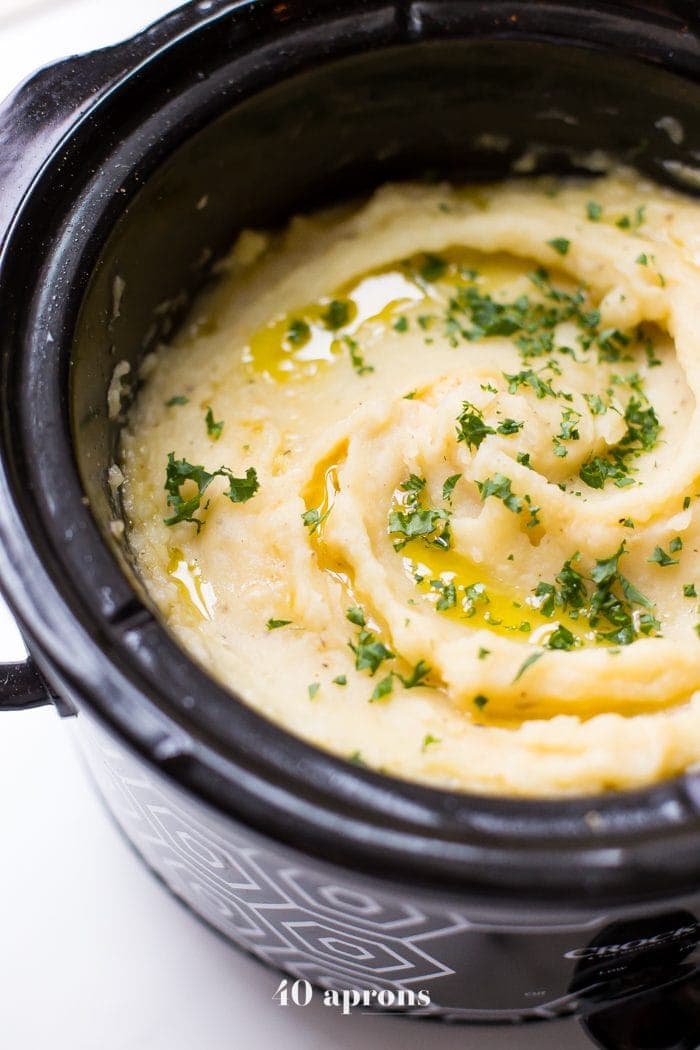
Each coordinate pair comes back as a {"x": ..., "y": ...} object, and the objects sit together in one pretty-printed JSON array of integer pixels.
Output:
[{"x": 292, "y": 918}]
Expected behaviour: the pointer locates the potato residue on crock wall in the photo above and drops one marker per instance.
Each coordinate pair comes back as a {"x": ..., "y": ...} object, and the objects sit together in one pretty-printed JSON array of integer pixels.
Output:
[{"x": 433, "y": 472}]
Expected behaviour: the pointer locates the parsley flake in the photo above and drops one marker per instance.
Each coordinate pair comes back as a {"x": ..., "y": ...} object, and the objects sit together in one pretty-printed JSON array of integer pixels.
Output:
[
  {"x": 533, "y": 658},
  {"x": 382, "y": 689},
  {"x": 660, "y": 557},
  {"x": 449, "y": 486},
  {"x": 417, "y": 675},
  {"x": 298, "y": 332},
  {"x": 336, "y": 315},
  {"x": 471, "y": 427},
  {"x": 214, "y": 428},
  {"x": 560, "y": 245},
  {"x": 178, "y": 472}
]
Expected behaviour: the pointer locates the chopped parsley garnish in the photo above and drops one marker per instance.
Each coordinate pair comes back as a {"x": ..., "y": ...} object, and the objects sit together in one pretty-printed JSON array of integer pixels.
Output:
[
  {"x": 273, "y": 625},
  {"x": 313, "y": 518},
  {"x": 356, "y": 358},
  {"x": 433, "y": 268},
  {"x": 336, "y": 315},
  {"x": 560, "y": 245},
  {"x": 382, "y": 688},
  {"x": 416, "y": 677},
  {"x": 298, "y": 332},
  {"x": 471, "y": 427},
  {"x": 596, "y": 471},
  {"x": 652, "y": 360},
  {"x": 568, "y": 430},
  {"x": 369, "y": 652},
  {"x": 561, "y": 638},
  {"x": 179, "y": 472},
  {"x": 499, "y": 486},
  {"x": 627, "y": 222},
  {"x": 611, "y": 342},
  {"x": 483, "y": 653},
  {"x": 643, "y": 428},
  {"x": 542, "y": 387},
  {"x": 533, "y": 519},
  {"x": 594, "y": 211},
  {"x": 178, "y": 399},
  {"x": 447, "y": 592},
  {"x": 596, "y": 404},
  {"x": 449, "y": 486},
  {"x": 413, "y": 483},
  {"x": 401, "y": 324},
  {"x": 533, "y": 658},
  {"x": 571, "y": 593},
  {"x": 356, "y": 615},
  {"x": 480, "y": 701},
  {"x": 660, "y": 557},
  {"x": 473, "y": 315},
  {"x": 340, "y": 679},
  {"x": 426, "y": 521},
  {"x": 429, "y": 739},
  {"x": 509, "y": 426},
  {"x": 416, "y": 521},
  {"x": 214, "y": 428},
  {"x": 313, "y": 689},
  {"x": 611, "y": 600},
  {"x": 474, "y": 594}
]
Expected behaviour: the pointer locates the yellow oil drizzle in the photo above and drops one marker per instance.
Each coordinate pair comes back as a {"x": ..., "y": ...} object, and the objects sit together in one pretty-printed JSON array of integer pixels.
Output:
[
  {"x": 504, "y": 613},
  {"x": 198, "y": 594},
  {"x": 320, "y": 496},
  {"x": 296, "y": 345},
  {"x": 490, "y": 605}
]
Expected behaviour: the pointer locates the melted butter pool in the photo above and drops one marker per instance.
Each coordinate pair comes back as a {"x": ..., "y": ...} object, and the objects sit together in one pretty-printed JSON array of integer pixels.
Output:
[
  {"x": 295, "y": 345},
  {"x": 479, "y": 601},
  {"x": 197, "y": 592}
]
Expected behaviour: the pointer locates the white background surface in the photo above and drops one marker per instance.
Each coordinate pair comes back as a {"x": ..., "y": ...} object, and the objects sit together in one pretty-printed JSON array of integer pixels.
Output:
[{"x": 94, "y": 955}]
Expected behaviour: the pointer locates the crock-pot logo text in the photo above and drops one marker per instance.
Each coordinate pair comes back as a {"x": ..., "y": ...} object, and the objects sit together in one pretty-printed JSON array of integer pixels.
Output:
[
  {"x": 301, "y": 993},
  {"x": 604, "y": 951}
]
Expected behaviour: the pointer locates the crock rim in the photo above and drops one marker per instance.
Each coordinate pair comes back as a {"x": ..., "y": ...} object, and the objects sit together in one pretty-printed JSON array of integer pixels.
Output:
[{"x": 555, "y": 844}]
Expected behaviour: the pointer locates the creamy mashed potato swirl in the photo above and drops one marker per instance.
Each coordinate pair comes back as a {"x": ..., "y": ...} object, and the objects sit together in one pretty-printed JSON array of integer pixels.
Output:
[{"x": 432, "y": 470}]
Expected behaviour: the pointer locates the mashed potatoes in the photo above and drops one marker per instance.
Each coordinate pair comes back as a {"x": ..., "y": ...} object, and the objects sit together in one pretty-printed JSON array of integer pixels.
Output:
[{"x": 431, "y": 473}]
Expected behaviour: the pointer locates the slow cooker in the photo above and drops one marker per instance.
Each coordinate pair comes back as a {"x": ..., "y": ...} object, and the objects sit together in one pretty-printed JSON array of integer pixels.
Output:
[{"x": 124, "y": 175}]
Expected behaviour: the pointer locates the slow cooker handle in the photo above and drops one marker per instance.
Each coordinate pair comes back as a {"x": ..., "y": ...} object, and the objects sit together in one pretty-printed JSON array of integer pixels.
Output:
[{"x": 22, "y": 687}]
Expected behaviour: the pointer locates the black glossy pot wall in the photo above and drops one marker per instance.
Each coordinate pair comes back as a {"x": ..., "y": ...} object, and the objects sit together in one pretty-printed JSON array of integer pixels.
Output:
[{"x": 123, "y": 175}]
